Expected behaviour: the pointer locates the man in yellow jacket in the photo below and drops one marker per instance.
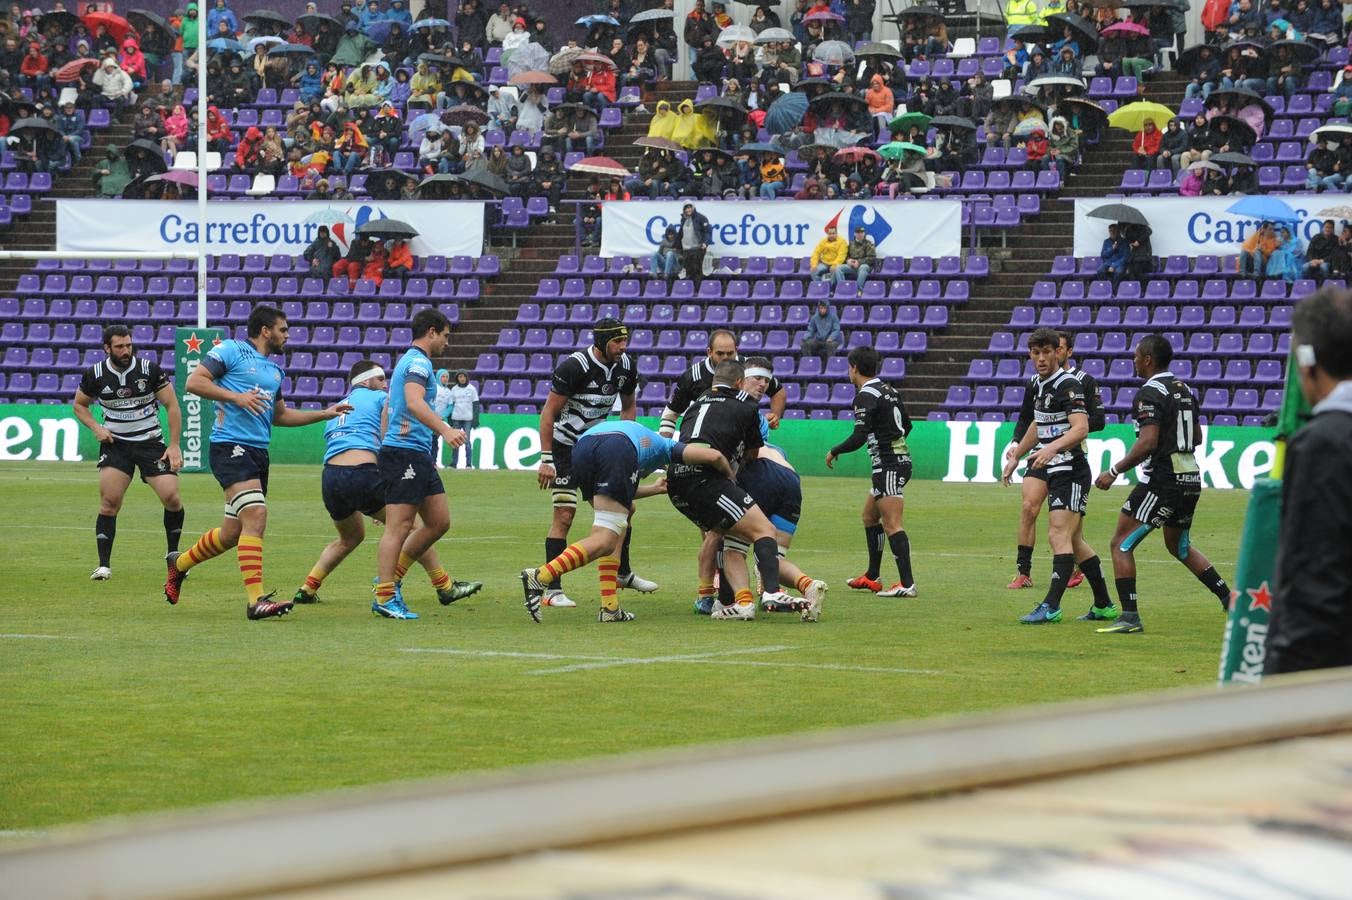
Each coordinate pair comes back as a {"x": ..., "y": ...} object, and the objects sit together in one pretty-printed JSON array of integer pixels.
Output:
[
  {"x": 829, "y": 253},
  {"x": 1019, "y": 13}
]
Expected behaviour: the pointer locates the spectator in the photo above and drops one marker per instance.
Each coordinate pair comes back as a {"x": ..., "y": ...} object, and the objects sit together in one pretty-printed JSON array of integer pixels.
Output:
[
  {"x": 1283, "y": 70},
  {"x": 323, "y": 253},
  {"x": 1342, "y": 92},
  {"x": 539, "y": 34},
  {"x": 1146, "y": 145},
  {"x": 696, "y": 236},
  {"x": 666, "y": 261},
  {"x": 855, "y": 187},
  {"x": 823, "y": 336},
  {"x": 1242, "y": 180},
  {"x": 549, "y": 177},
  {"x": 1320, "y": 253},
  {"x": 71, "y": 124},
  {"x": 1142, "y": 261},
  {"x": 773, "y": 176},
  {"x": 399, "y": 261},
  {"x": 248, "y": 154},
  {"x": 709, "y": 62},
  {"x": 1019, "y": 13},
  {"x": 1205, "y": 74},
  {"x": 185, "y": 41},
  {"x": 859, "y": 19},
  {"x": 501, "y": 109},
  {"x": 114, "y": 85},
  {"x": 1173, "y": 144},
  {"x": 432, "y": 153},
  {"x": 1287, "y": 261},
  {"x": 218, "y": 132},
  {"x": 111, "y": 174},
  {"x": 519, "y": 172},
  {"x": 219, "y": 14},
  {"x": 1191, "y": 183},
  {"x": 828, "y": 255},
  {"x": 1113, "y": 256},
  {"x": 349, "y": 148},
  {"x": 353, "y": 47},
  {"x": 1322, "y": 169},
  {"x": 1201, "y": 142},
  {"x": 600, "y": 88},
  {"x": 1036, "y": 149},
  {"x": 591, "y": 225},
  {"x": 715, "y": 175},
  {"x": 881, "y": 103},
  {"x": 1064, "y": 148},
  {"x": 699, "y": 25},
  {"x": 500, "y": 25},
  {"x": 579, "y": 131},
  {"x": 357, "y": 254},
  {"x": 1254, "y": 252},
  {"x": 465, "y": 416},
  {"x": 175, "y": 131},
  {"x": 133, "y": 62},
  {"x": 33, "y": 70},
  {"x": 860, "y": 259},
  {"x": 1310, "y": 626}
]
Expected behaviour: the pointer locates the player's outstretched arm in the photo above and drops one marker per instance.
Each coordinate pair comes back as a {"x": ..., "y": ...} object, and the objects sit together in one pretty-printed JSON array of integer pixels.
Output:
[
  {"x": 857, "y": 438},
  {"x": 707, "y": 456},
  {"x": 1146, "y": 442},
  {"x": 287, "y": 417},
  {"x": 86, "y": 417},
  {"x": 169, "y": 400}
]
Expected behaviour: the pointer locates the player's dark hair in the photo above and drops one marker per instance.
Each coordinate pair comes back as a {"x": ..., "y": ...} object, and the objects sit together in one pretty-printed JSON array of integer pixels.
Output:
[
  {"x": 1063, "y": 337},
  {"x": 713, "y": 336},
  {"x": 758, "y": 362},
  {"x": 112, "y": 331},
  {"x": 1158, "y": 349},
  {"x": 1324, "y": 321},
  {"x": 729, "y": 372},
  {"x": 360, "y": 366},
  {"x": 1044, "y": 337},
  {"x": 429, "y": 319},
  {"x": 264, "y": 317},
  {"x": 865, "y": 360}
]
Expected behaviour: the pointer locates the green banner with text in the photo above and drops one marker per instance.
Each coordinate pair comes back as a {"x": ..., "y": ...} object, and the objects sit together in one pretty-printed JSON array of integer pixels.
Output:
[{"x": 189, "y": 345}]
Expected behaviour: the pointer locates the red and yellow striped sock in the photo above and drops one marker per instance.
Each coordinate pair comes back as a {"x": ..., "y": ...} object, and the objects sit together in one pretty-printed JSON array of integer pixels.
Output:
[
  {"x": 384, "y": 591},
  {"x": 609, "y": 569},
  {"x": 440, "y": 580},
  {"x": 745, "y": 596},
  {"x": 572, "y": 557},
  {"x": 207, "y": 547},
  {"x": 401, "y": 568},
  {"x": 249, "y": 551},
  {"x": 706, "y": 588},
  {"x": 315, "y": 580},
  {"x": 803, "y": 583}
]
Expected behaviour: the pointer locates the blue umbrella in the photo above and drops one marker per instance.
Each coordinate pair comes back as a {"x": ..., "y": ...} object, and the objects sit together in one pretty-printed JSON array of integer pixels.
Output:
[
  {"x": 761, "y": 147},
  {"x": 379, "y": 30},
  {"x": 225, "y": 44},
  {"x": 589, "y": 21},
  {"x": 430, "y": 23},
  {"x": 290, "y": 50},
  {"x": 1264, "y": 207},
  {"x": 786, "y": 112}
]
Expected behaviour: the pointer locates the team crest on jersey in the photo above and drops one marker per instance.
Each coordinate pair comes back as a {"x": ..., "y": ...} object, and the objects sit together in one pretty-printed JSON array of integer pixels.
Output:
[
  {"x": 141, "y": 385},
  {"x": 124, "y": 392},
  {"x": 607, "y": 389}
]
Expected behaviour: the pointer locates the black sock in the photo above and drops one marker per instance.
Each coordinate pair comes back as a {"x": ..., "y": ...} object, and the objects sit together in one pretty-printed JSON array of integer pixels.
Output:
[
  {"x": 553, "y": 547},
  {"x": 1126, "y": 594},
  {"x": 873, "y": 537},
  {"x": 173, "y": 528},
  {"x": 1026, "y": 560},
  {"x": 901, "y": 552},
  {"x": 105, "y": 529},
  {"x": 726, "y": 595},
  {"x": 624, "y": 552},
  {"x": 1063, "y": 566},
  {"x": 767, "y": 563},
  {"x": 1093, "y": 573},
  {"x": 1216, "y": 584}
]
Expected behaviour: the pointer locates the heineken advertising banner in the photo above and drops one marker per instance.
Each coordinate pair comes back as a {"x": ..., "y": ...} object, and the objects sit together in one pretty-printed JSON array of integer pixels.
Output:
[
  {"x": 1245, "y": 647},
  {"x": 964, "y": 452},
  {"x": 190, "y": 344}
]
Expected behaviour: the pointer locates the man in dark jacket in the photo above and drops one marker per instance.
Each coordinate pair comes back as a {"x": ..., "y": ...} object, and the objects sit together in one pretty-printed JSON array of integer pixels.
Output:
[
  {"x": 1311, "y": 625},
  {"x": 1142, "y": 254},
  {"x": 323, "y": 253},
  {"x": 860, "y": 258},
  {"x": 1321, "y": 250},
  {"x": 823, "y": 336},
  {"x": 696, "y": 236}
]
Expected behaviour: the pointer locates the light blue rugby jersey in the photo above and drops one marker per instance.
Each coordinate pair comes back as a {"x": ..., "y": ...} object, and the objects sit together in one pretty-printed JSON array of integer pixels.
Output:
[
  {"x": 359, "y": 429},
  {"x": 405, "y": 431},
  {"x": 238, "y": 366},
  {"x": 654, "y": 451}
]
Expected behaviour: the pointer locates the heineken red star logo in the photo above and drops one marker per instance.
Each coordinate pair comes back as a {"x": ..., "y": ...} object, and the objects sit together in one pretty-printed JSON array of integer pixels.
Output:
[
  {"x": 194, "y": 343},
  {"x": 215, "y": 342},
  {"x": 1260, "y": 598}
]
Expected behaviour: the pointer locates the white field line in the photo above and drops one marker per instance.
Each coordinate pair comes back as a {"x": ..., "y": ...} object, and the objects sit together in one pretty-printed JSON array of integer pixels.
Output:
[
  {"x": 44, "y": 637},
  {"x": 328, "y": 535}
]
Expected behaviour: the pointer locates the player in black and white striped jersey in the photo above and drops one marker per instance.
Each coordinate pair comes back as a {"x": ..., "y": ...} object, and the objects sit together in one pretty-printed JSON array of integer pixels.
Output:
[{"x": 131, "y": 390}]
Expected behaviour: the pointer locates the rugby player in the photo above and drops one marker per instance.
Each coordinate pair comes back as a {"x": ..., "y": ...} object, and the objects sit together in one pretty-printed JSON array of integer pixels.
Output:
[
  {"x": 130, "y": 439},
  {"x": 1169, "y": 481}
]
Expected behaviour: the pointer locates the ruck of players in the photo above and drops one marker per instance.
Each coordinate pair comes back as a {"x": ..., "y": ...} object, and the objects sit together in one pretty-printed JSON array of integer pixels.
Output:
[{"x": 712, "y": 456}]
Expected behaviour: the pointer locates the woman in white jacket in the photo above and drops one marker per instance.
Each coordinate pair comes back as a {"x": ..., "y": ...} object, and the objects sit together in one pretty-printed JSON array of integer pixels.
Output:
[{"x": 464, "y": 398}]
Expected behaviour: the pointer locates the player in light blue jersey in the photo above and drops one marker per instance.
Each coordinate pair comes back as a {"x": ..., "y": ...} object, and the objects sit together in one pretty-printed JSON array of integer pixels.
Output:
[
  {"x": 353, "y": 487},
  {"x": 413, "y": 486},
  {"x": 608, "y": 461},
  {"x": 247, "y": 388}
]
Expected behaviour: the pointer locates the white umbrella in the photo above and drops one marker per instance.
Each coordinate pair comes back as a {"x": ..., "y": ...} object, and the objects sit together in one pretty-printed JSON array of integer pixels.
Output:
[
  {"x": 266, "y": 39},
  {"x": 774, "y": 35},
  {"x": 833, "y": 53},
  {"x": 735, "y": 33}
]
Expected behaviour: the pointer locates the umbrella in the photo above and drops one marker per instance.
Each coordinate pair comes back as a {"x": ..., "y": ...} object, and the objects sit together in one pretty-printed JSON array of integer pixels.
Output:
[
  {"x": 400, "y": 173},
  {"x": 760, "y": 147},
  {"x": 1022, "y": 102},
  {"x": 185, "y": 177},
  {"x": 839, "y": 137},
  {"x": 34, "y": 124},
  {"x": 909, "y": 120},
  {"x": 139, "y": 18},
  {"x": 591, "y": 21},
  {"x": 430, "y": 23},
  {"x": 1085, "y": 109},
  {"x": 265, "y": 39},
  {"x": 1302, "y": 52},
  {"x": 1232, "y": 158},
  {"x": 1265, "y": 208},
  {"x": 440, "y": 59},
  {"x": 600, "y": 165},
  {"x": 312, "y": 22},
  {"x": 814, "y": 86},
  {"x": 1086, "y": 34},
  {"x": 480, "y": 176},
  {"x": 1191, "y": 56},
  {"x": 116, "y": 25},
  {"x": 379, "y": 30},
  {"x": 1205, "y": 164},
  {"x": 464, "y": 114},
  {"x": 1119, "y": 212},
  {"x": 734, "y": 34},
  {"x": 833, "y": 53},
  {"x": 827, "y": 97},
  {"x": 916, "y": 12},
  {"x": 875, "y": 49},
  {"x": 953, "y": 122},
  {"x": 1125, "y": 29},
  {"x": 561, "y": 63},
  {"x": 823, "y": 16},
  {"x": 1054, "y": 81},
  {"x": 855, "y": 155},
  {"x": 422, "y": 124},
  {"x": 595, "y": 59},
  {"x": 225, "y": 44},
  {"x": 285, "y": 49},
  {"x": 528, "y": 58},
  {"x": 652, "y": 15},
  {"x": 437, "y": 180},
  {"x": 723, "y": 107},
  {"x": 775, "y": 35},
  {"x": 786, "y": 112},
  {"x": 1337, "y": 131},
  {"x": 64, "y": 17},
  {"x": 1241, "y": 130},
  {"x": 1132, "y": 116},
  {"x": 70, "y": 71},
  {"x": 148, "y": 151},
  {"x": 1142, "y": 4},
  {"x": 1034, "y": 34},
  {"x": 658, "y": 143},
  {"x": 266, "y": 17},
  {"x": 387, "y": 229},
  {"x": 898, "y": 149},
  {"x": 532, "y": 77}
]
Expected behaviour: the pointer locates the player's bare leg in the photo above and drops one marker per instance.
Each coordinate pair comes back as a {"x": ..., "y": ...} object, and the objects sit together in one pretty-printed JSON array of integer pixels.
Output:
[
  {"x": 1092, "y": 571},
  {"x": 351, "y": 533},
  {"x": 752, "y": 531},
  {"x": 790, "y": 575},
  {"x": 406, "y": 539},
  {"x": 166, "y": 489},
  {"x": 601, "y": 545},
  {"x": 874, "y": 537},
  {"x": 890, "y": 513},
  {"x": 242, "y": 530},
  {"x": 112, "y": 488},
  {"x": 1181, "y": 549},
  {"x": 556, "y": 541}
]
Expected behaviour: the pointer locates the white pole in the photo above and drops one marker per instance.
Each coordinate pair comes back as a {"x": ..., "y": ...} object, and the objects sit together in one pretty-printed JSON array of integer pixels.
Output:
[{"x": 201, "y": 167}]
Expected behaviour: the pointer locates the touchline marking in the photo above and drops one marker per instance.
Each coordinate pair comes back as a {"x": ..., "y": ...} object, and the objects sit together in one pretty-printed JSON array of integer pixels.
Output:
[
  {"x": 312, "y": 534},
  {"x": 46, "y": 637}
]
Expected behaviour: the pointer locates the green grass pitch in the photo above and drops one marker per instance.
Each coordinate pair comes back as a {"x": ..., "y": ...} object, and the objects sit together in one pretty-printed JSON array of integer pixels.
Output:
[{"x": 114, "y": 702}]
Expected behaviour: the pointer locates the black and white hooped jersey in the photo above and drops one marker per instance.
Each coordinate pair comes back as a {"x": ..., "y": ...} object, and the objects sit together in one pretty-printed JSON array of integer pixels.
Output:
[
  {"x": 591, "y": 388},
  {"x": 127, "y": 396},
  {"x": 880, "y": 422},
  {"x": 695, "y": 381},
  {"x": 1098, "y": 416},
  {"x": 1058, "y": 396},
  {"x": 1167, "y": 402}
]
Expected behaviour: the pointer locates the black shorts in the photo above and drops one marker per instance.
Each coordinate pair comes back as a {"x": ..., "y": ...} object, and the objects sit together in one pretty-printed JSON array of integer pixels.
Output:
[
  {"x": 129, "y": 456},
  {"x": 409, "y": 476},
  {"x": 233, "y": 463},
  {"x": 1166, "y": 504},
  {"x": 563, "y": 467},
  {"x": 1069, "y": 489},
  {"x": 606, "y": 464},
  {"x": 353, "y": 489},
  {"x": 777, "y": 490},
  {"x": 891, "y": 481},
  {"x": 1040, "y": 474},
  {"x": 712, "y": 502}
]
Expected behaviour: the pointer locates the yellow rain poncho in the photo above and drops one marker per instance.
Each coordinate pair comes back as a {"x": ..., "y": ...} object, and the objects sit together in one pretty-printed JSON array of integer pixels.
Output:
[
  {"x": 664, "y": 120},
  {"x": 693, "y": 130}
]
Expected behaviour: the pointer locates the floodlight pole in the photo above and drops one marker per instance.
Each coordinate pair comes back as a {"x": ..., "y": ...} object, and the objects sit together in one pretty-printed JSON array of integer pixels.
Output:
[{"x": 201, "y": 169}]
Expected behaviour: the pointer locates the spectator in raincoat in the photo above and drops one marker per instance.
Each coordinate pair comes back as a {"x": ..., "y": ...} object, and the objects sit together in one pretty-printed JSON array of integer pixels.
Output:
[
  {"x": 881, "y": 102},
  {"x": 663, "y": 122},
  {"x": 323, "y": 253},
  {"x": 694, "y": 130},
  {"x": 399, "y": 262},
  {"x": 222, "y": 13},
  {"x": 112, "y": 174},
  {"x": 247, "y": 154}
]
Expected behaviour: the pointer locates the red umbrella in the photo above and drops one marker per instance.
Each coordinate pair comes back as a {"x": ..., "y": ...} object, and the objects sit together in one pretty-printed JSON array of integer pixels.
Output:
[
  {"x": 600, "y": 165},
  {"x": 533, "y": 78},
  {"x": 117, "y": 26},
  {"x": 854, "y": 155},
  {"x": 1125, "y": 28},
  {"x": 185, "y": 177},
  {"x": 595, "y": 59},
  {"x": 71, "y": 71}
]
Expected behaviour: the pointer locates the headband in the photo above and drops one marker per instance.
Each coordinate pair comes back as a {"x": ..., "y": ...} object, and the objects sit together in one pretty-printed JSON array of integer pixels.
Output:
[
  {"x": 368, "y": 375},
  {"x": 759, "y": 373},
  {"x": 1305, "y": 356}
]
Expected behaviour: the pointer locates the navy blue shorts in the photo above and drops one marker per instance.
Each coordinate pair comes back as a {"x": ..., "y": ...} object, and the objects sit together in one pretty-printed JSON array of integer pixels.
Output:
[
  {"x": 410, "y": 476},
  {"x": 606, "y": 464},
  {"x": 353, "y": 489},
  {"x": 233, "y": 463},
  {"x": 777, "y": 490}
]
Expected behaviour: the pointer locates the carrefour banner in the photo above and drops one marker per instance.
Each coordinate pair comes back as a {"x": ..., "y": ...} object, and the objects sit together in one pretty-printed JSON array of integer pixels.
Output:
[
  {"x": 1194, "y": 226},
  {"x": 741, "y": 229},
  {"x": 446, "y": 228}
]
